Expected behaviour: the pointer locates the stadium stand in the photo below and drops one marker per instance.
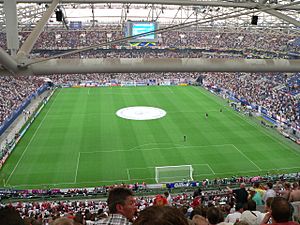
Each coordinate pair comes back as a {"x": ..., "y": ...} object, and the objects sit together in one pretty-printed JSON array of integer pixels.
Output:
[
  {"x": 260, "y": 90},
  {"x": 225, "y": 38},
  {"x": 93, "y": 210},
  {"x": 14, "y": 91}
]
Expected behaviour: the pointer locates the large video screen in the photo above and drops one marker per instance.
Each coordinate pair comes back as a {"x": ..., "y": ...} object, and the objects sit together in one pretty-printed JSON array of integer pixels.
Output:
[{"x": 134, "y": 28}]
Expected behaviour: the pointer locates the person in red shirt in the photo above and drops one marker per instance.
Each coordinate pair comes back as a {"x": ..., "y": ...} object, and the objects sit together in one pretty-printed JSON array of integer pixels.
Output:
[{"x": 160, "y": 200}]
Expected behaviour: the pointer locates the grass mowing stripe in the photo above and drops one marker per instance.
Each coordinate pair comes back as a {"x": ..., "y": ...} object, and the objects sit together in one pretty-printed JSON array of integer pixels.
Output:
[
  {"x": 158, "y": 148},
  {"x": 251, "y": 123},
  {"x": 84, "y": 121},
  {"x": 30, "y": 141},
  {"x": 266, "y": 133}
]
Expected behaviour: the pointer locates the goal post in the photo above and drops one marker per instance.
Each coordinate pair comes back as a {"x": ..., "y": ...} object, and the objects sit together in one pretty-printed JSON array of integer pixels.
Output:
[{"x": 164, "y": 174}]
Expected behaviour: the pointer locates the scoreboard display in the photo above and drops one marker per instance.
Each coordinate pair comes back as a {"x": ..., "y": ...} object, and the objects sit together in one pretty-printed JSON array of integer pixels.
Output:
[
  {"x": 133, "y": 28},
  {"x": 75, "y": 25}
]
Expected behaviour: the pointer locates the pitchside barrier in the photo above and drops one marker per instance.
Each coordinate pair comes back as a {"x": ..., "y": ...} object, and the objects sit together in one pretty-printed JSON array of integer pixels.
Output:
[
  {"x": 19, "y": 110},
  {"x": 22, "y": 132}
]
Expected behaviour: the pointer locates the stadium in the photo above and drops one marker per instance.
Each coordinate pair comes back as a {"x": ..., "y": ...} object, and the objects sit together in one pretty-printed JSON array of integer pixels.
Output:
[{"x": 154, "y": 95}]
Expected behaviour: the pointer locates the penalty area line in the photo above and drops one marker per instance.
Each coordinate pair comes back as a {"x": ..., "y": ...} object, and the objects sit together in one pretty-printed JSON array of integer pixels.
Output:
[
  {"x": 243, "y": 154},
  {"x": 76, "y": 172}
]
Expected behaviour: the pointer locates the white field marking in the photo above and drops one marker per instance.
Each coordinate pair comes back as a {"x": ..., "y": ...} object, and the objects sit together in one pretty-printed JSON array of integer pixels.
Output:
[
  {"x": 141, "y": 113},
  {"x": 247, "y": 158},
  {"x": 78, "y": 159},
  {"x": 161, "y": 143},
  {"x": 31, "y": 139},
  {"x": 147, "y": 178},
  {"x": 151, "y": 149},
  {"x": 141, "y": 168},
  {"x": 109, "y": 113},
  {"x": 89, "y": 91},
  {"x": 211, "y": 169},
  {"x": 251, "y": 124},
  {"x": 288, "y": 168},
  {"x": 266, "y": 133},
  {"x": 203, "y": 174},
  {"x": 230, "y": 172},
  {"x": 200, "y": 112},
  {"x": 207, "y": 165},
  {"x": 133, "y": 94},
  {"x": 243, "y": 118},
  {"x": 128, "y": 174}
]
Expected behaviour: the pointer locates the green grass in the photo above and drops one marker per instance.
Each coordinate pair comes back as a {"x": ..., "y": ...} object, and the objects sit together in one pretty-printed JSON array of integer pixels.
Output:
[{"x": 78, "y": 140}]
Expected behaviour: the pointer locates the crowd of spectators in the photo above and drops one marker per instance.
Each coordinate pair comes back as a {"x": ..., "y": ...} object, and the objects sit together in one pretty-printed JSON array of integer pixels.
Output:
[
  {"x": 274, "y": 92},
  {"x": 207, "y": 38},
  {"x": 14, "y": 90},
  {"x": 89, "y": 212},
  {"x": 118, "y": 78},
  {"x": 186, "y": 43}
]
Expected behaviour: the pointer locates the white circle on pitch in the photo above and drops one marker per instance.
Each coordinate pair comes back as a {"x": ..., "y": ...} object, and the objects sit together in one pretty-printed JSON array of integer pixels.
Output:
[{"x": 141, "y": 113}]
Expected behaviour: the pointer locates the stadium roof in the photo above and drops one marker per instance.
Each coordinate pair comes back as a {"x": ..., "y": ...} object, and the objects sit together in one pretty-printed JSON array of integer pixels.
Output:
[{"x": 275, "y": 15}]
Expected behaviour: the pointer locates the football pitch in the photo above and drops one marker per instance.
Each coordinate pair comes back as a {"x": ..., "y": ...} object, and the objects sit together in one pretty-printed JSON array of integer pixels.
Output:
[{"x": 79, "y": 141}]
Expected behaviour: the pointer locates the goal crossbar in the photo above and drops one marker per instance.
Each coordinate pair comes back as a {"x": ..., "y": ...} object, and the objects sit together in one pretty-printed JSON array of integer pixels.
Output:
[{"x": 164, "y": 174}]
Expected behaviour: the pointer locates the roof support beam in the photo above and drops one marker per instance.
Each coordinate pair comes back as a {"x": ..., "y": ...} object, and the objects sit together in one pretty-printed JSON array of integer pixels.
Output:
[
  {"x": 8, "y": 62},
  {"x": 282, "y": 16},
  {"x": 12, "y": 37},
  {"x": 32, "y": 38},
  {"x": 248, "y": 5},
  {"x": 125, "y": 65}
]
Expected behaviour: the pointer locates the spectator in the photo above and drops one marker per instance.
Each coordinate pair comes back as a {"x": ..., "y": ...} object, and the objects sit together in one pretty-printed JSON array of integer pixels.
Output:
[
  {"x": 241, "y": 195},
  {"x": 199, "y": 220},
  {"x": 9, "y": 216},
  {"x": 250, "y": 215},
  {"x": 161, "y": 215},
  {"x": 160, "y": 200},
  {"x": 281, "y": 212},
  {"x": 258, "y": 188},
  {"x": 295, "y": 194},
  {"x": 270, "y": 193},
  {"x": 255, "y": 196},
  {"x": 214, "y": 215},
  {"x": 62, "y": 221},
  {"x": 287, "y": 191},
  {"x": 235, "y": 216},
  {"x": 122, "y": 207}
]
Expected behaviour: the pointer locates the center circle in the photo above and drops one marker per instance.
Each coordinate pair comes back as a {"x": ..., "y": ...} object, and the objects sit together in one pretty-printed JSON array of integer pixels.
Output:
[{"x": 141, "y": 113}]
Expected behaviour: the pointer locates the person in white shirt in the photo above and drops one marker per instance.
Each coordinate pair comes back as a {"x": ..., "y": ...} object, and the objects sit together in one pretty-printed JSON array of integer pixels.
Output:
[
  {"x": 270, "y": 193},
  {"x": 251, "y": 215},
  {"x": 235, "y": 216}
]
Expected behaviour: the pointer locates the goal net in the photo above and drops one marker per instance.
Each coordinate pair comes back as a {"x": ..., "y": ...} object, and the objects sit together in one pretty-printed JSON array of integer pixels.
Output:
[{"x": 164, "y": 174}]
